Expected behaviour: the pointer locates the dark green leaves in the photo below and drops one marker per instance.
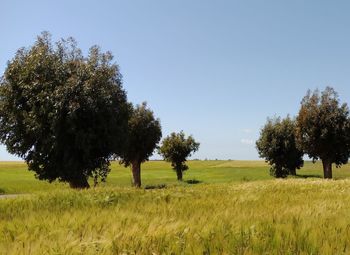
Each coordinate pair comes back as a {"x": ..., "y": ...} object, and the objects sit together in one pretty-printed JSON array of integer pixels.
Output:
[
  {"x": 278, "y": 146},
  {"x": 323, "y": 127},
  {"x": 144, "y": 133},
  {"x": 176, "y": 148},
  {"x": 64, "y": 114}
]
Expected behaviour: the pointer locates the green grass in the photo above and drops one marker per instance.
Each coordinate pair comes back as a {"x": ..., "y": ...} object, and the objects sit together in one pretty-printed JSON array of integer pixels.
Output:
[
  {"x": 15, "y": 178},
  {"x": 236, "y": 209}
]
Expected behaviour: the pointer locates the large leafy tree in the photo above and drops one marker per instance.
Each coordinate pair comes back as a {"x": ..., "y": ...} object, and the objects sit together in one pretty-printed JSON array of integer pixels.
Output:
[
  {"x": 65, "y": 114},
  {"x": 176, "y": 148},
  {"x": 144, "y": 133},
  {"x": 277, "y": 144},
  {"x": 323, "y": 129}
]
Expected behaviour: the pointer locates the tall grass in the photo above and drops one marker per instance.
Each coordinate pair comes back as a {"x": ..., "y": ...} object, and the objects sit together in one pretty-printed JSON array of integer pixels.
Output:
[{"x": 294, "y": 216}]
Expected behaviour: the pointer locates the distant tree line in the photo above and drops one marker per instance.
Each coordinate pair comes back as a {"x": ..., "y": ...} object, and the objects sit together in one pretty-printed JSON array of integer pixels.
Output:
[
  {"x": 321, "y": 130},
  {"x": 67, "y": 116}
]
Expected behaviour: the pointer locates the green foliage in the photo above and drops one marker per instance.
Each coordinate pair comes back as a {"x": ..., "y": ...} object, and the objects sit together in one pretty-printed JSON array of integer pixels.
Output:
[
  {"x": 278, "y": 146},
  {"x": 144, "y": 133},
  {"x": 65, "y": 114},
  {"x": 323, "y": 128},
  {"x": 176, "y": 148}
]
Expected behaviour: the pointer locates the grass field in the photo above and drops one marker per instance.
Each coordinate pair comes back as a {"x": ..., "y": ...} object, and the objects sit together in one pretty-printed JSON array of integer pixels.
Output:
[
  {"x": 15, "y": 178},
  {"x": 237, "y": 208}
]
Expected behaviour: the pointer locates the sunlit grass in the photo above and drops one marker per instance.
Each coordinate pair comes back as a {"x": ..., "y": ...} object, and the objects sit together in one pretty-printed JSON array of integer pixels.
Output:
[
  {"x": 237, "y": 208},
  {"x": 15, "y": 178},
  {"x": 263, "y": 217}
]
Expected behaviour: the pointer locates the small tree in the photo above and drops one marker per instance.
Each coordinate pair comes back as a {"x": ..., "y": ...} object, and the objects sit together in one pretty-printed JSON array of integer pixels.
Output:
[
  {"x": 323, "y": 129},
  {"x": 144, "y": 133},
  {"x": 176, "y": 148},
  {"x": 64, "y": 114},
  {"x": 278, "y": 146}
]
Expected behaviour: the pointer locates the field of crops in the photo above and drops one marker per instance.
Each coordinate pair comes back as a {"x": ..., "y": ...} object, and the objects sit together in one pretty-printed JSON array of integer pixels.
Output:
[{"x": 236, "y": 208}]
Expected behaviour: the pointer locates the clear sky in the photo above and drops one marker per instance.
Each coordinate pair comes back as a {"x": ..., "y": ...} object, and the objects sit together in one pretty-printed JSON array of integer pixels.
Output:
[{"x": 215, "y": 69}]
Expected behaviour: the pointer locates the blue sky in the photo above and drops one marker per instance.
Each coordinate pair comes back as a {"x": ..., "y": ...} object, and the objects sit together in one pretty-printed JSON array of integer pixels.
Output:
[{"x": 215, "y": 69}]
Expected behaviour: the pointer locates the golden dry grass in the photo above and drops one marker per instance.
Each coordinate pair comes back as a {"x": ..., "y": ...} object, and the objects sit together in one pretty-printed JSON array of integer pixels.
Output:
[{"x": 263, "y": 217}]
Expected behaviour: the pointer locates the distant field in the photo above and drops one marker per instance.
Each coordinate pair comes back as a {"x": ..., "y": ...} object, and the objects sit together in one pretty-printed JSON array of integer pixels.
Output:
[
  {"x": 236, "y": 209},
  {"x": 15, "y": 178}
]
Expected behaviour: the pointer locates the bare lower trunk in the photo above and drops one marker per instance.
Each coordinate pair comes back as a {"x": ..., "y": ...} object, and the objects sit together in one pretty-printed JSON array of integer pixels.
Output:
[
  {"x": 179, "y": 174},
  {"x": 276, "y": 171},
  {"x": 293, "y": 171},
  {"x": 81, "y": 183},
  {"x": 327, "y": 169},
  {"x": 136, "y": 173}
]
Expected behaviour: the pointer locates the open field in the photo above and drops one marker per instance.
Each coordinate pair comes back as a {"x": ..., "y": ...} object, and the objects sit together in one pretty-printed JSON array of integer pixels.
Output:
[
  {"x": 236, "y": 209},
  {"x": 15, "y": 178}
]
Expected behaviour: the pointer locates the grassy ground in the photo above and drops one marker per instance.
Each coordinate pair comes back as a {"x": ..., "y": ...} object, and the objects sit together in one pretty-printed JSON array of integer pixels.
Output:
[
  {"x": 15, "y": 178},
  {"x": 236, "y": 209}
]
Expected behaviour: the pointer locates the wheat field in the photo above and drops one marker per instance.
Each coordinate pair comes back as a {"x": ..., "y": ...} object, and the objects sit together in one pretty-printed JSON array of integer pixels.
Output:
[{"x": 239, "y": 215}]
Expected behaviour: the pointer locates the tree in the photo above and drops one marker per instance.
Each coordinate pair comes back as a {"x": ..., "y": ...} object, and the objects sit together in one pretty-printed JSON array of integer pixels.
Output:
[
  {"x": 144, "y": 133},
  {"x": 323, "y": 129},
  {"x": 176, "y": 148},
  {"x": 278, "y": 146},
  {"x": 64, "y": 114}
]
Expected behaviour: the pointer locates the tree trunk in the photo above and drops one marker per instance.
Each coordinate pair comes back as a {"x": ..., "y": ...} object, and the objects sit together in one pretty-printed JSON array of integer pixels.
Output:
[
  {"x": 179, "y": 174},
  {"x": 327, "y": 169},
  {"x": 136, "y": 173},
  {"x": 79, "y": 183},
  {"x": 293, "y": 171},
  {"x": 278, "y": 172}
]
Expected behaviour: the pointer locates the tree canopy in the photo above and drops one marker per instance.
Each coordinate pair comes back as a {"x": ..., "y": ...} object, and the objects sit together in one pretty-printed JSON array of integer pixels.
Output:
[
  {"x": 323, "y": 129},
  {"x": 175, "y": 148},
  {"x": 277, "y": 144},
  {"x": 64, "y": 113},
  {"x": 144, "y": 133}
]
